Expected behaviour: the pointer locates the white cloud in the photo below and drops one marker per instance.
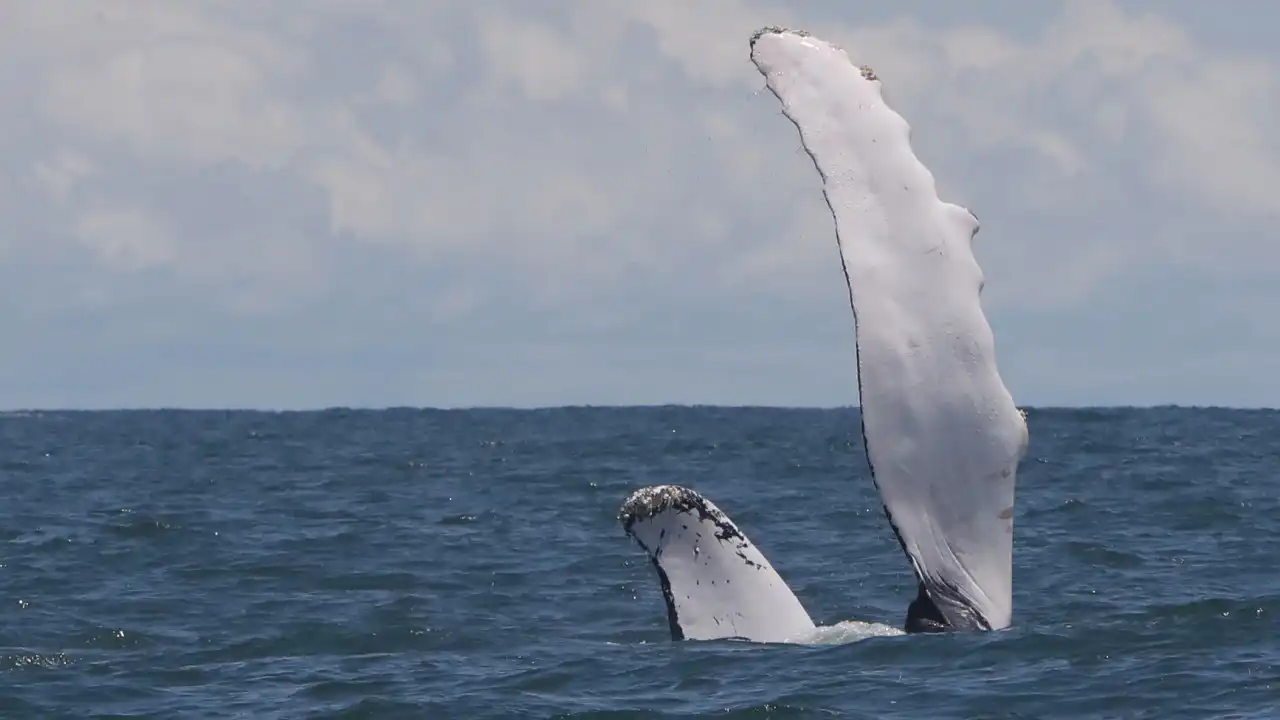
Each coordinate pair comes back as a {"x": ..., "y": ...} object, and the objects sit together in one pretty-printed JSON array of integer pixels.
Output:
[
  {"x": 62, "y": 172},
  {"x": 125, "y": 239},
  {"x": 197, "y": 85},
  {"x": 168, "y": 81},
  {"x": 395, "y": 86},
  {"x": 528, "y": 54},
  {"x": 591, "y": 151},
  {"x": 1217, "y": 121}
]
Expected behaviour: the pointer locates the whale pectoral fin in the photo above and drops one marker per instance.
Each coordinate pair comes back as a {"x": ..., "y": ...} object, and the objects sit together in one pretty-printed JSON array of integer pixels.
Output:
[
  {"x": 942, "y": 433},
  {"x": 923, "y": 615},
  {"x": 715, "y": 582}
]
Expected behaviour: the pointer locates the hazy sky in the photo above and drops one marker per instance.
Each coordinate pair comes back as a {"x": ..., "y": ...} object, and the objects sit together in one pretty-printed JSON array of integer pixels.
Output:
[{"x": 311, "y": 203}]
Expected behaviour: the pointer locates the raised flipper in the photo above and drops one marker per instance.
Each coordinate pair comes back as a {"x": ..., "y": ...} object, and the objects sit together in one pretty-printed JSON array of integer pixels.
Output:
[
  {"x": 942, "y": 433},
  {"x": 715, "y": 582}
]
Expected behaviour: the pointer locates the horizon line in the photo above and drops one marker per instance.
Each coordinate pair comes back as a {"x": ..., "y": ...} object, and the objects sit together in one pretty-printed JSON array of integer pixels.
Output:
[{"x": 578, "y": 406}]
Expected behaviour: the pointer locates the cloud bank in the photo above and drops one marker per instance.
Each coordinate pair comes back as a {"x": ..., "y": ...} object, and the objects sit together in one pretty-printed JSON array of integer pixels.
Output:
[{"x": 455, "y": 203}]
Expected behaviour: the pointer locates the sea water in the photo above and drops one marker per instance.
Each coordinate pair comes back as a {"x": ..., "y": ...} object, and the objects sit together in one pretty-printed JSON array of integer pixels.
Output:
[{"x": 469, "y": 564}]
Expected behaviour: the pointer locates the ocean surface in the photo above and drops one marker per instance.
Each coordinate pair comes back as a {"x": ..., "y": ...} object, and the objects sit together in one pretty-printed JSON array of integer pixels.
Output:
[{"x": 469, "y": 564}]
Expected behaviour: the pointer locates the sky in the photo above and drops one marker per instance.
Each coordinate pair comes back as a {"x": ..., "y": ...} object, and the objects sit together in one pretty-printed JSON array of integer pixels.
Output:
[{"x": 371, "y": 203}]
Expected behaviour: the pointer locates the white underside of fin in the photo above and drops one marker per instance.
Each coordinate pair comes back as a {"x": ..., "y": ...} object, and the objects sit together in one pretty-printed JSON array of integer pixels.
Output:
[
  {"x": 715, "y": 582},
  {"x": 943, "y": 435}
]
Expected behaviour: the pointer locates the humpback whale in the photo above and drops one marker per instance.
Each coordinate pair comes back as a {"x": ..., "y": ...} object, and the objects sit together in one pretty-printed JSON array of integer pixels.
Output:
[{"x": 942, "y": 434}]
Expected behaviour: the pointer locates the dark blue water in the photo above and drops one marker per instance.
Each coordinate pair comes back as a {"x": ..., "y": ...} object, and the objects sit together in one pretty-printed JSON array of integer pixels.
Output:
[{"x": 468, "y": 564}]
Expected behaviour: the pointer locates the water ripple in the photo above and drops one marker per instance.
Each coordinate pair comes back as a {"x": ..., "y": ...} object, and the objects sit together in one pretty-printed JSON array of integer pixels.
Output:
[{"x": 405, "y": 563}]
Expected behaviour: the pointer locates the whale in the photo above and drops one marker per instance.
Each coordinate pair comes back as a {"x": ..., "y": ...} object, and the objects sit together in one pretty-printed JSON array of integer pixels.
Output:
[{"x": 942, "y": 434}]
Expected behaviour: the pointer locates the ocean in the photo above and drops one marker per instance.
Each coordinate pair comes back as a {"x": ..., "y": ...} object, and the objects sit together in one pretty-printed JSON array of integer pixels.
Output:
[{"x": 469, "y": 564}]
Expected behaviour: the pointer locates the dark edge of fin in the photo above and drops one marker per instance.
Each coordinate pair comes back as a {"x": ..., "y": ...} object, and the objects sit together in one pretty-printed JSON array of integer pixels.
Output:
[
  {"x": 923, "y": 615},
  {"x": 649, "y": 501},
  {"x": 776, "y": 30},
  {"x": 673, "y": 619}
]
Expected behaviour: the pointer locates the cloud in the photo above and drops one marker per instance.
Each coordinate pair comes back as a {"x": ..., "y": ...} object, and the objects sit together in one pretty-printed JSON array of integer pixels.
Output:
[
  {"x": 125, "y": 239},
  {"x": 195, "y": 85},
  {"x": 600, "y": 161}
]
